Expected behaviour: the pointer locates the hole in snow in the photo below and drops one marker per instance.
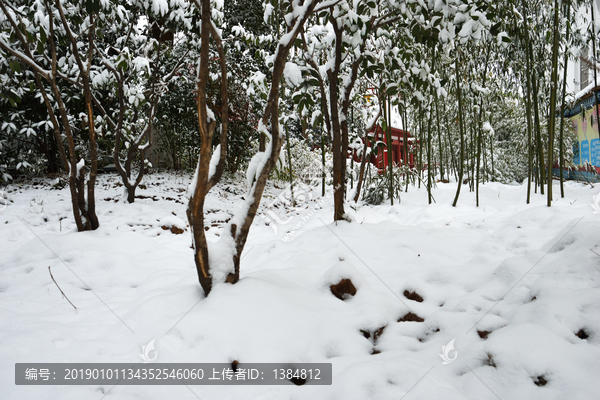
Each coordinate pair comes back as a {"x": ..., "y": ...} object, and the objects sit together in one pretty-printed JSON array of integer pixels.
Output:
[
  {"x": 582, "y": 334},
  {"x": 483, "y": 334},
  {"x": 373, "y": 336},
  {"x": 175, "y": 230},
  {"x": 490, "y": 361},
  {"x": 411, "y": 317},
  {"x": 540, "y": 381},
  {"x": 413, "y": 296},
  {"x": 344, "y": 289}
]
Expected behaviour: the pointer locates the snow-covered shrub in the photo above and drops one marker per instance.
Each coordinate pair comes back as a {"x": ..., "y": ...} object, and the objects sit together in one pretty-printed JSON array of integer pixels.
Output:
[{"x": 376, "y": 186}]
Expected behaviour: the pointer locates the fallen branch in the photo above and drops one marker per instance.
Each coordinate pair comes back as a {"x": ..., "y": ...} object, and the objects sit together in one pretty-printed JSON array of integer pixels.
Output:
[{"x": 64, "y": 295}]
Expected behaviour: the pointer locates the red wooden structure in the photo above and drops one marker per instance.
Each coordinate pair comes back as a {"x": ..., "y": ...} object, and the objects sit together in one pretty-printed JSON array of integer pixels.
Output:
[{"x": 381, "y": 159}]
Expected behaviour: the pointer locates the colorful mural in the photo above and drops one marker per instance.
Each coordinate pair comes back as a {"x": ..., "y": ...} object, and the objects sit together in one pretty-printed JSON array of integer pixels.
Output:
[{"x": 586, "y": 150}]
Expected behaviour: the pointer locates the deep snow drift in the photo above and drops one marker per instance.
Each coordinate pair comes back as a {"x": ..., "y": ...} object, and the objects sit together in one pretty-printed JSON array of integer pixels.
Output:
[{"x": 512, "y": 284}]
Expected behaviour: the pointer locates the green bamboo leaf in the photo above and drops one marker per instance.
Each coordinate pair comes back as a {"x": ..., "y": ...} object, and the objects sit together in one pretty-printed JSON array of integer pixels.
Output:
[{"x": 15, "y": 66}]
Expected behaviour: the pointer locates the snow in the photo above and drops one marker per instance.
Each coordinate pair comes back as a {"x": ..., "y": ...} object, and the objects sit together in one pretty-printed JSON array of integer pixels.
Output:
[
  {"x": 160, "y": 7},
  {"x": 487, "y": 128},
  {"x": 101, "y": 79},
  {"x": 141, "y": 63},
  {"x": 292, "y": 74},
  {"x": 528, "y": 274},
  {"x": 500, "y": 39},
  {"x": 258, "y": 160},
  {"x": 214, "y": 162},
  {"x": 268, "y": 12},
  {"x": 210, "y": 115},
  {"x": 80, "y": 166},
  {"x": 221, "y": 258},
  {"x": 584, "y": 91},
  {"x": 239, "y": 30},
  {"x": 172, "y": 221},
  {"x": 315, "y": 114},
  {"x": 444, "y": 36}
]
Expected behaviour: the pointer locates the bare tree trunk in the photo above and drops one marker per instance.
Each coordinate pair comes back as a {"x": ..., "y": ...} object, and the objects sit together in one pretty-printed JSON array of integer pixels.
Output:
[
  {"x": 405, "y": 145},
  {"x": 429, "y": 197},
  {"x": 561, "y": 155},
  {"x": 388, "y": 140},
  {"x": 363, "y": 160},
  {"x": 195, "y": 210},
  {"x": 460, "y": 127},
  {"x": 480, "y": 128},
  {"x": 289, "y": 159},
  {"x": 492, "y": 156},
  {"x": 86, "y": 208},
  {"x": 528, "y": 105},
  {"x": 472, "y": 146},
  {"x": 55, "y": 125},
  {"x": 453, "y": 164},
  {"x": 479, "y": 138},
  {"x": 421, "y": 129},
  {"x": 339, "y": 170},
  {"x": 529, "y": 135},
  {"x": 553, "y": 89},
  {"x": 322, "y": 160},
  {"x": 538, "y": 135},
  {"x": 239, "y": 227},
  {"x": 439, "y": 132}
]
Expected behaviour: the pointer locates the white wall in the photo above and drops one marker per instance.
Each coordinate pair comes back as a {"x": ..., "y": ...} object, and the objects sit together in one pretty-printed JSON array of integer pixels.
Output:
[{"x": 573, "y": 69}]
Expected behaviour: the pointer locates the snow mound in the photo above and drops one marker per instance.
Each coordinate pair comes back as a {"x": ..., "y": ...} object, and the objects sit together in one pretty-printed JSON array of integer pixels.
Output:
[{"x": 173, "y": 223}]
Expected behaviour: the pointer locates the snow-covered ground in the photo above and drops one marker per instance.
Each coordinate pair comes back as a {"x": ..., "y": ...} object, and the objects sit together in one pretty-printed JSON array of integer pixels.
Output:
[{"x": 512, "y": 284}]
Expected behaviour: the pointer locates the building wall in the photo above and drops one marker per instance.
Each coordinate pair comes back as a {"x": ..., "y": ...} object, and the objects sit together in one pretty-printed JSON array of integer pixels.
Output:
[
  {"x": 586, "y": 150},
  {"x": 579, "y": 74}
]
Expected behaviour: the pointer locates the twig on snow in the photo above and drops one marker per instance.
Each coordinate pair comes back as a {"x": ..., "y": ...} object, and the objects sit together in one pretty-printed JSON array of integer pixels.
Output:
[{"x": 63, "y": 293}]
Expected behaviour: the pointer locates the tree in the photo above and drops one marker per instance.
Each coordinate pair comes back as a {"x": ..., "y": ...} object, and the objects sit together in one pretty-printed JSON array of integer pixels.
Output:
[
  {"x": 337, "y": 53},
  {"x": 137, "y": 65},
  {"x": 553, "y": 90},
  {"x": 36, "y": 46},
  {"x": 226, "y": 267}
]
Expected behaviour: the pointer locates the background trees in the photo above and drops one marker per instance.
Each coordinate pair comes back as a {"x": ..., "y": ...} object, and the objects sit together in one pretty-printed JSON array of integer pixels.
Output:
[
  {"x": 56, "y": 43},
  {"x": 477, "y": 84}
]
